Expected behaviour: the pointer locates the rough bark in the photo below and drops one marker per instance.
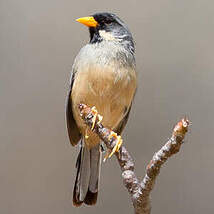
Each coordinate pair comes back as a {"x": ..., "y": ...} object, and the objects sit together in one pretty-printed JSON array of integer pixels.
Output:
[{"x": 139, "y": 190}]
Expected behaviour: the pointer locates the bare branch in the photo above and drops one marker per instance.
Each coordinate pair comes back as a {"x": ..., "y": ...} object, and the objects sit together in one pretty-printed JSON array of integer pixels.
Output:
[{"x": 138, "y": 190}]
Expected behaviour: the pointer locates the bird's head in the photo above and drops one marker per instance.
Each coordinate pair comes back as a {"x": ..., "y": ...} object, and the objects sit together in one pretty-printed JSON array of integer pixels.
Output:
[{"x": 107, "y": 26}]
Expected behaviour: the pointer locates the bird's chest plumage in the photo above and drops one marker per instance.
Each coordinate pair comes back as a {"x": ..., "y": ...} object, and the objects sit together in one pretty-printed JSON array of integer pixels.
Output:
[{"x": 106, "y": 84}]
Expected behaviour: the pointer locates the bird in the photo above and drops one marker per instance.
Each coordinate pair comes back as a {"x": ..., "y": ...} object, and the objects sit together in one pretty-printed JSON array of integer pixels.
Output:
[{"x": 104, "y": 77}]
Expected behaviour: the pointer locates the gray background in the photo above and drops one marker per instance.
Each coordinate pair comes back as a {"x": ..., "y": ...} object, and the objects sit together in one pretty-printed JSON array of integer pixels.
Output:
[{"x": 175, "y": 60}]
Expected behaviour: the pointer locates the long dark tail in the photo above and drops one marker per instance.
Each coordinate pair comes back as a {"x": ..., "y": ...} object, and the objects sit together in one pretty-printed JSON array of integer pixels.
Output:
[{"x": 87, "y": 178}]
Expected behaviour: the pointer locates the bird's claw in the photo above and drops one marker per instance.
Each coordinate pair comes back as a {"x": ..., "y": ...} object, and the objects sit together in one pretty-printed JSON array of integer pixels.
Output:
[
  {"x": 95, "y": 116},
  {"x": 116, "y": 147}
]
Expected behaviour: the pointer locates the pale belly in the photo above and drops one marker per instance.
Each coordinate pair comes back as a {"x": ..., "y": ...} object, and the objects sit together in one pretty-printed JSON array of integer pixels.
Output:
[{"x": 109, "y": 91}]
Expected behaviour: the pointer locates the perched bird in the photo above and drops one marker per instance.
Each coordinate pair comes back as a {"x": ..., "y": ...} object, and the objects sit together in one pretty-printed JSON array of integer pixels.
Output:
[{"x": 104, "y": 76}]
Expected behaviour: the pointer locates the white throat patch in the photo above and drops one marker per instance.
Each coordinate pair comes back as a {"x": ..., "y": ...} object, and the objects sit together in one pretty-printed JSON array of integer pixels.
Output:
[{"x": 106, "y": 35}]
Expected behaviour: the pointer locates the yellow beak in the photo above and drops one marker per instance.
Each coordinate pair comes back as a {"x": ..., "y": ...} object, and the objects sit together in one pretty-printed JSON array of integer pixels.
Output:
[{"x": 88, "y": 21}]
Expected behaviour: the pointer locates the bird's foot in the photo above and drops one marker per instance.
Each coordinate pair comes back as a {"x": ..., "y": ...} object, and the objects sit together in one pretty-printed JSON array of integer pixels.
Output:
[
  {"x": 117, "y": 146},
  {"x": 118, "y": 143},
  {"x": 95, "y": 116}
]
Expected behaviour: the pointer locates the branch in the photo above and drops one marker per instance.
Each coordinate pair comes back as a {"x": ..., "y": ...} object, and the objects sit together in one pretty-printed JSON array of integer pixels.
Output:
[{"x": 138, "y": 190}]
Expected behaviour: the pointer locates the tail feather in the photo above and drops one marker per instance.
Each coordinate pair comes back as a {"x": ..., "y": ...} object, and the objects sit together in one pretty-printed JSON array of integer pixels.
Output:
[
  {"x": 84, "y": 173},
  {"x": 91, "y": 198},
  {"x": 87, "y": 177},
  {"x": 76, "y": 191},
  {"x": 95, "y": 160}
]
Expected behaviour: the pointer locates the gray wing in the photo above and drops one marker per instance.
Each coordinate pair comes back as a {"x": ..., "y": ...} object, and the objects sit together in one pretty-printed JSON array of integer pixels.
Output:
[
  {"x": 73, "y": 131},
  {"x": 123, "y": 122}
]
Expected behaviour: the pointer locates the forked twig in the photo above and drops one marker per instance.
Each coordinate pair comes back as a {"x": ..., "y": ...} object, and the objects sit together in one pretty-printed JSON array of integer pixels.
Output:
[{"x": 138, "y": 190}]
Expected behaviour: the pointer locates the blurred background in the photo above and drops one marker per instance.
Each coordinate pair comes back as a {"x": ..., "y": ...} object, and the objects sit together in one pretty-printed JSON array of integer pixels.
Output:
[{"x": 175, "y": 63}]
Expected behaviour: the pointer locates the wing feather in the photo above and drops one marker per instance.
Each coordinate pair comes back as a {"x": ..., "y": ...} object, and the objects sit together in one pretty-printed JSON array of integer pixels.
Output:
[
  {"x": 73, "y": 131},
  {"x": 123, "y": 122}
]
